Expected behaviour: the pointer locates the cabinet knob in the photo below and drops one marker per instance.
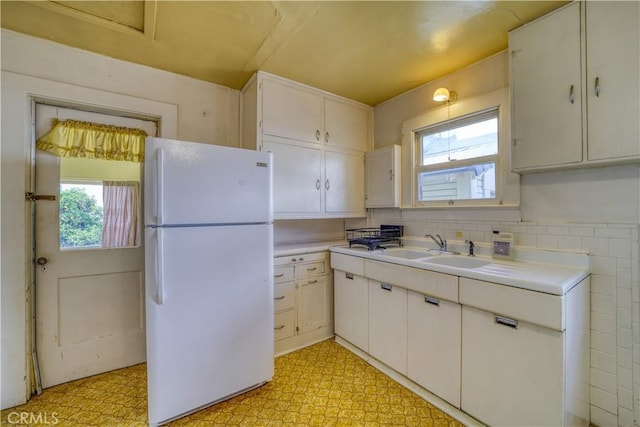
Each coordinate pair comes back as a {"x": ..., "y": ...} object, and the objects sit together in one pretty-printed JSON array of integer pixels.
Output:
[
  {"x": 597, "y": 87},
  {"x": 318, "y": 184},
  {"x": 317, "y": 134},
  {"x": 326, "y": 184},
  {"x": 326, "y": 137}
]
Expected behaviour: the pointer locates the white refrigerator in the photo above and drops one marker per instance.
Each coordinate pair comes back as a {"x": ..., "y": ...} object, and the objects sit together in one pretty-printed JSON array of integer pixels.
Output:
[{"x": 208, "y": 274}]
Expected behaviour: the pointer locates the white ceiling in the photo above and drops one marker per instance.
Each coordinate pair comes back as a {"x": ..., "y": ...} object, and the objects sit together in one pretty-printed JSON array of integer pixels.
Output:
[{"x": 365, "y": 50}]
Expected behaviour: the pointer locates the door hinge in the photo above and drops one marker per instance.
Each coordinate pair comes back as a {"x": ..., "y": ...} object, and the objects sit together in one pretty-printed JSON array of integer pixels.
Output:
[{"x": 31, "y": 197}]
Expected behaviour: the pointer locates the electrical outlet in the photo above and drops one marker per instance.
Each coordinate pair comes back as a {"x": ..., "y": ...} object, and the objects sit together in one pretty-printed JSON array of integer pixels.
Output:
[{"x": 459, "y": 234}]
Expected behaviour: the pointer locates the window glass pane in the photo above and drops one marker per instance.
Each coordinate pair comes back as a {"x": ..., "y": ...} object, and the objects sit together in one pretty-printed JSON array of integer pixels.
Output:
[
  {"x": 460, "y": 139},
  {"x": 80, "y": 215},
  {"x": 468, "y": 182}
]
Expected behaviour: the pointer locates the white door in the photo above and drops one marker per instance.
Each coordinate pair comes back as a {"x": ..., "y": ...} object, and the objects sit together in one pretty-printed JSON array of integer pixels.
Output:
[
  {"x": 547, "y": 90},
  {"x": 344, "y": 183},
  {"x": 89, "y": 301},
  {"x": 613, "y": 87}
]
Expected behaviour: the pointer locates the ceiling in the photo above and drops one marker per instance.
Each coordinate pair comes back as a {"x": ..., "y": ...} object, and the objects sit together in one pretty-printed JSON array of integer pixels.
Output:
[{"x": 369, "y": 51}]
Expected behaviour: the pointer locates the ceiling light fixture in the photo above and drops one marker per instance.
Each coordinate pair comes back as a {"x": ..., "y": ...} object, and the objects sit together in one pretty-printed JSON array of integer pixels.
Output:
[{"x": 443, "y": 94}]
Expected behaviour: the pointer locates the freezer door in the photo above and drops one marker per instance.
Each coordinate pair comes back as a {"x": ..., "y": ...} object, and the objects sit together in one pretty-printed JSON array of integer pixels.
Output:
[
  {"x": 209, "y": 308},
  {"x": 192, "y": 183}
]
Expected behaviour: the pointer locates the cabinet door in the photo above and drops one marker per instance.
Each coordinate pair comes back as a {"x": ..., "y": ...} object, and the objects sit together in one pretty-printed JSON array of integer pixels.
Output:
[
  {"x": 297, "y": 172},
  {"x": 346, "y": 125},
  {"x": 434, "y": 342},
  {"x": 344, "y": 184},
  {"x": 547, "y": 90},
  {"x": 291, "y": 112},
  {"x": 351, "y": 306},
  {"x": 382, "y": 168},
  {"x": 388, "y": 325},
  {"x": 511, "y": 376},
  {"x": 613, "y": 85},
  {"x": 313, "y": 303}
]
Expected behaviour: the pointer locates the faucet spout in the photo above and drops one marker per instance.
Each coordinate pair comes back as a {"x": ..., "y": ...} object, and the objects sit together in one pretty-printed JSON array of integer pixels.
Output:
[{"x": 442, "y": 244}]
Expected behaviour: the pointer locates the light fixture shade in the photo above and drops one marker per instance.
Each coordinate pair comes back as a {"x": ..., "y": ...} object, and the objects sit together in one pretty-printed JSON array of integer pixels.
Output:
[{"x": 441, "y": 94}]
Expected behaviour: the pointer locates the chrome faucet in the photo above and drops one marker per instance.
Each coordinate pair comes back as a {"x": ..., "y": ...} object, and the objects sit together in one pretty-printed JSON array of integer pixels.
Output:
[{"x": 442, "y": 244}]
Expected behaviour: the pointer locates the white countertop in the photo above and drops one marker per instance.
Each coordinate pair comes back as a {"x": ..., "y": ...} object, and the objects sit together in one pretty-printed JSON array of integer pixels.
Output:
[
  {"x": 542, "y": 271},
  {"x": 305, "y": 247}
]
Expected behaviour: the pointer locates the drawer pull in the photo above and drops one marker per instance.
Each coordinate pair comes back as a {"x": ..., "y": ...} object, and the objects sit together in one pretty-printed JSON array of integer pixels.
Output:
[
  {"x": 278, "y": 275},
  {"x": 277, "y": 328},
  {"x": 311, "y": 282},
  {"x": 279, "y": 298},
  {"x": 432, "y": 300},
  {"x": 385, "y": 287},
  {"x": 512, "y": 323},
  {"x": 348, "y": 276},
  {"x": 312, "y": 269}
]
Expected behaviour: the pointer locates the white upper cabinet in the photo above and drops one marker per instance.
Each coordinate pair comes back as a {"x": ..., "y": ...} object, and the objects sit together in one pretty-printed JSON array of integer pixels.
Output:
[
  {"x": 297, "y": 178},
  {"x": 318, "y": 140},
  {"x": 382, "y": 169},
  {"x": 344, "y": 183},
  {"x": 291, "y": 112},
  {"x": 613, "y": 79},
  {"x": 575, "y": 87},
  {"x": 547, "y": 91},
  {"x": 346, "y": 124}
]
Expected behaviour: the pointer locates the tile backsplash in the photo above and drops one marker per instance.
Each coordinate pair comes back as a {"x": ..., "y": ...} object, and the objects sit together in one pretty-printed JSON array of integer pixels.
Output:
[{"x": 615, "y": 301}]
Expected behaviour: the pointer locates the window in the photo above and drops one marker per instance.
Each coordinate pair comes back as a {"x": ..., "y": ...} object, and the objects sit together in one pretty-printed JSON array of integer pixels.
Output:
[
  {"x": 457, "y": 159},
  {"x": 458, "y": 156},
  {"x": 81, "y": 215}
]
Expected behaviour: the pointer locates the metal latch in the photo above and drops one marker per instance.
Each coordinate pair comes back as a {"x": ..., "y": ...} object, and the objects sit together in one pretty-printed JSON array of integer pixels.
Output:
[{"x": 30, "y": 197}]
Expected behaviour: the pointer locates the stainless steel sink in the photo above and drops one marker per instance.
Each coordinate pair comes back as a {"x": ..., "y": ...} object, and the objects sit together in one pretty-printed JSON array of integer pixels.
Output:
[{"x": 458, "y": 261}]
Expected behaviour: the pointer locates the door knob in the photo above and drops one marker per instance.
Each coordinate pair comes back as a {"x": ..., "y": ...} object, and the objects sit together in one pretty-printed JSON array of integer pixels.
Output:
[{"x": 42, "y": 261}]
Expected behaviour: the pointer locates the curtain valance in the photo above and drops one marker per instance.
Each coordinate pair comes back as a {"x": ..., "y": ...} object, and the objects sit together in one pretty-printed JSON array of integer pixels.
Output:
[{"x": 71, "y": 138}]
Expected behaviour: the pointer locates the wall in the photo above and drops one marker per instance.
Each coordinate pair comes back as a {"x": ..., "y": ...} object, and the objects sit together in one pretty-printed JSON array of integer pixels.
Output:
[
  {"x": 187, "y": 108},
  {"x": 595, "y": 210}
]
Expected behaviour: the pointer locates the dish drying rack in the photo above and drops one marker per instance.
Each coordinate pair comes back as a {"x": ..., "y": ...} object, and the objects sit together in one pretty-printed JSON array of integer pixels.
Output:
[{"x": 374, "y": 238}]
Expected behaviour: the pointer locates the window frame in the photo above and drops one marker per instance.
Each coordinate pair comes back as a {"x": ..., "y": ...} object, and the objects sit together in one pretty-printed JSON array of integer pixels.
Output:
[
  {"x": 507, "y": 183},
  {"x": 455, "y": 164}
]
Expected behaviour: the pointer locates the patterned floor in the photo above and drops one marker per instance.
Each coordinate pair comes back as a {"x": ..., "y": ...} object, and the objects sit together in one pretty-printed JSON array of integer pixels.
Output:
[{"x": 321, "y": 385}]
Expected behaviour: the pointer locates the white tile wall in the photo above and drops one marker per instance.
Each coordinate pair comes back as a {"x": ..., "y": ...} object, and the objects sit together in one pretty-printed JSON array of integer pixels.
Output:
[{"x": 615, "y": 301}]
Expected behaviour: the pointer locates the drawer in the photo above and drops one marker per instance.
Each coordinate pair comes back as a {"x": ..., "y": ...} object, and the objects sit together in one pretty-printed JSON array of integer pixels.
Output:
[
  {"x": 284, "y": 296},
  {"x": 303, "y": 257},
  {"x": 310, "y": 269},
  {"x": 347, "y": 263},
  {"x": 519, "y": 304},
  {"x": 282, "y": 273},
  {"x": 283, "y": 325},
  {"x": 431, "y": 283}
]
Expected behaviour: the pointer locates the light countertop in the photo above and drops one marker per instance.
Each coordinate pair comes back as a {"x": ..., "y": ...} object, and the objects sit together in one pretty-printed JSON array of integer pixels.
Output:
[{"x": 549, "y": 272}]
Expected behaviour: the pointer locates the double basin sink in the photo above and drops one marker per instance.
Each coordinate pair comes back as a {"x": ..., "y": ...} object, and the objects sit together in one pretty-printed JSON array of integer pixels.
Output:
[{"x": 435, "y": 257}]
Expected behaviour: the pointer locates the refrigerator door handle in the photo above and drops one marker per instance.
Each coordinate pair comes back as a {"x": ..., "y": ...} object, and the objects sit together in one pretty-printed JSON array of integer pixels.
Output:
[
  {"x": 159, "y": 268},
  {"x": 159, "y": 185}
]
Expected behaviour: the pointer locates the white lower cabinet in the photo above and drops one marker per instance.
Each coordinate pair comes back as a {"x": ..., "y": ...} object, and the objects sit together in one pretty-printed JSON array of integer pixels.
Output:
[
  {"x": 388, "y": 324},
  {"x": 351, "y": 296},
  {"x": 511, "y": 375},
  {"x": 507, "y": 356},
  {"x": 525, "y": 363},
  {"x": 303, "y": 295},
  {"x": 433, "y": 355}
]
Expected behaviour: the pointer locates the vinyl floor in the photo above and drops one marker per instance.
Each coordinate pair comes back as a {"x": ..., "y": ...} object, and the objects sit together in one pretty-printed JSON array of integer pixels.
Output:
[{"x": 321, "y": 385}]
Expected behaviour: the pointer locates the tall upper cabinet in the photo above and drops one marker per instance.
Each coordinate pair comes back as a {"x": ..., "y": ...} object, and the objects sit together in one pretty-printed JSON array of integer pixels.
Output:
[
  {"x": 318, "y": 140},
  {"x": 575, "y": 88}
]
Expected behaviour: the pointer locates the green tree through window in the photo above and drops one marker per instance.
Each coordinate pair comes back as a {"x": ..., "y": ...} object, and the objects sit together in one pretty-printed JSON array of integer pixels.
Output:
[{"x": 80, "y": 219}]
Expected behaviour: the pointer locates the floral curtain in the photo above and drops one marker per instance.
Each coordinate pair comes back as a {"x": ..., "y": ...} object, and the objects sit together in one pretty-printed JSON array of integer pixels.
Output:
[
  {"x": 121, "y": 220},
  {"x": 71, "y": 138}
]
